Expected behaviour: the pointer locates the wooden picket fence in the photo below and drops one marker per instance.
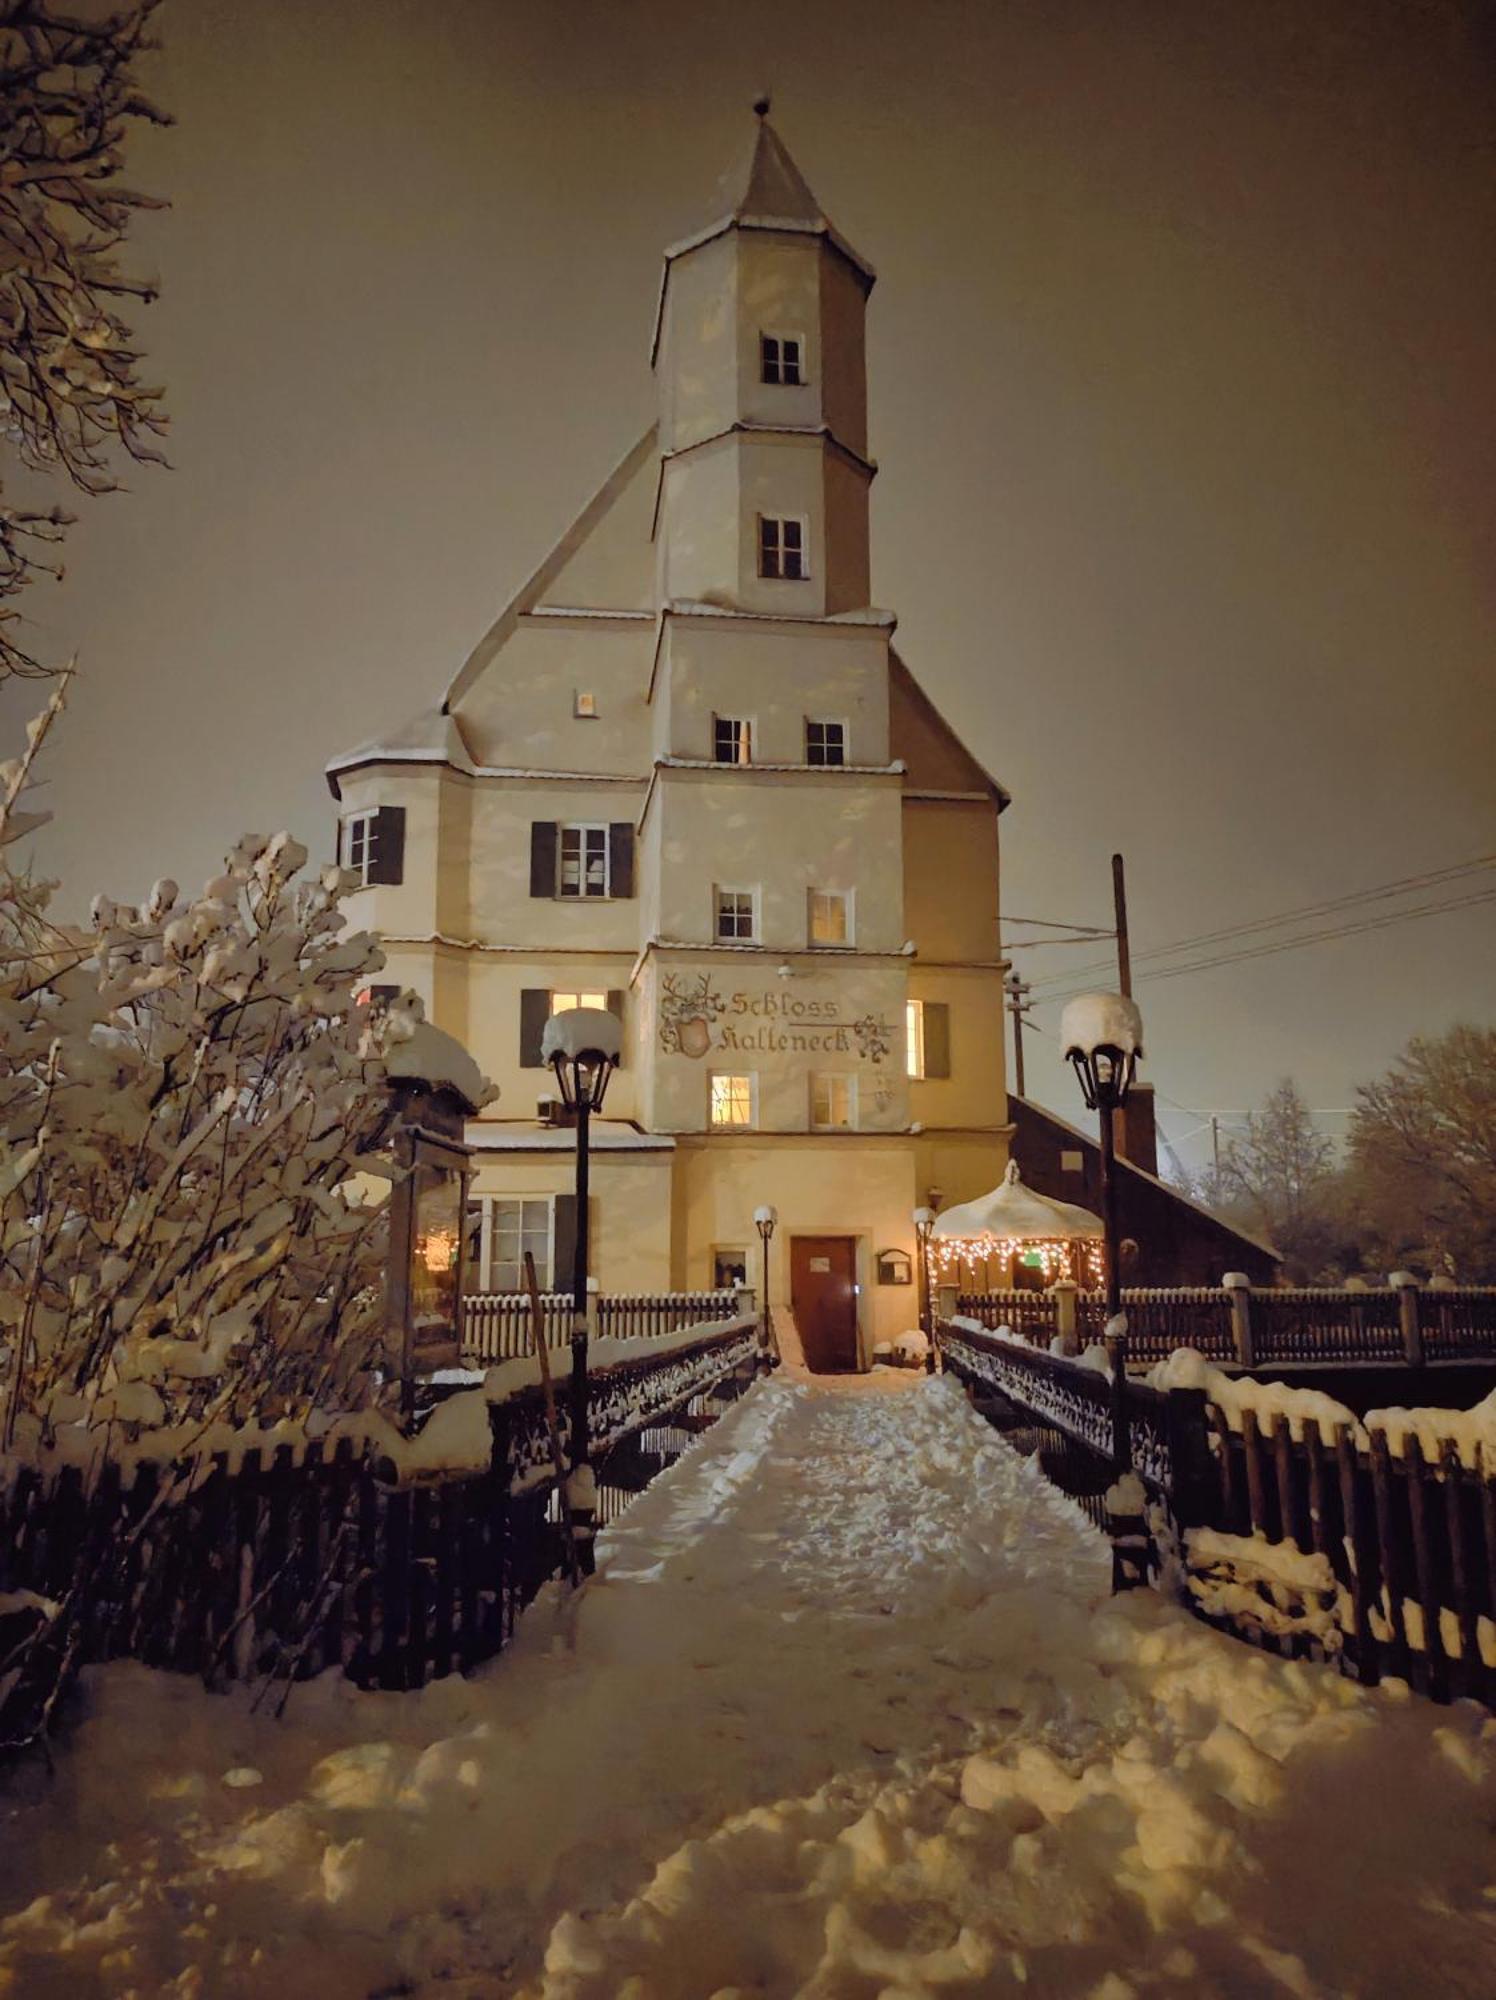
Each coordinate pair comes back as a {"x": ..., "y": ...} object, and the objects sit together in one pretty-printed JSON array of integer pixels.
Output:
[
  {"x": 1407, "y": 1544},
  {"x": 278, "y": 1568},
  {"x": 496, "y": 1325}
]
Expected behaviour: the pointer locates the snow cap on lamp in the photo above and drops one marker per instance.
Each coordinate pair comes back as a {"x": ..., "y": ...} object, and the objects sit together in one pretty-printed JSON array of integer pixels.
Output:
[
  {"x": 766, "y": 1216},
  {"x": 581, "y": 1031},
  {"x": 1093, "y": 1021}
]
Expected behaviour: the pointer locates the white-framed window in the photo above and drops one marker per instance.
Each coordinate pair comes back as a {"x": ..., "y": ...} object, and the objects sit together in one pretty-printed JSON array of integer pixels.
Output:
[
  {"x": 730, "y": 1101},
  {"x": 560, "y": 1002},
  {"x": 736, "y": 915},
  {"x": 914, "y": 1037},
  {"x": 830, "y": 920},
  {"x": 732, "y": 739},
  {"x": 825, "y": 741},
  {"x": 833, "y": 1102},
  {"x": 358, "y": 843},
  {"x": 782, "y": 359},
  {"x": 729, "y": 1268},
  {"x": 500, "y": 1229},
  {"x": 783, "y": 546},
  {"x": 582, "y": 861}
]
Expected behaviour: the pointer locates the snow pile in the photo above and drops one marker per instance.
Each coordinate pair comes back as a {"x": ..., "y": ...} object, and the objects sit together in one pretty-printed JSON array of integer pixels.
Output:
[
  {"x": 1186, "y": 1368},
  {"x": 906, "y": 1350},
  {"x": 848, "y": 1711},
  {"x": 1471, "y": 1432},
  {"x": 1268, "y": 1588}
]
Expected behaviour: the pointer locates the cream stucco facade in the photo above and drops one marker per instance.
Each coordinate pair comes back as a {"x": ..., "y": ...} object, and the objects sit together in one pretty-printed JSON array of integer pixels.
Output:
[{"x": 687, "y": 775}]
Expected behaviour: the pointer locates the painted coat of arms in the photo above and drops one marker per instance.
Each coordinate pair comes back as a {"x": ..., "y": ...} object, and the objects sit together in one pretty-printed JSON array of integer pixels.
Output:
[{"x": 688, "y": 1008}]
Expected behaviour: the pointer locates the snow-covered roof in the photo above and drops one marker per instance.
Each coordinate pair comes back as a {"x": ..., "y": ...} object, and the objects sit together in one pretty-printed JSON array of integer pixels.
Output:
[
  {"x": 767, "y": 191},
  {"x": 485, "y": 1137},
  {"x": 1094, "y": 1021},
  {"x": 430, "y": 1055},
  {"x": 1015, "y": 1213}
]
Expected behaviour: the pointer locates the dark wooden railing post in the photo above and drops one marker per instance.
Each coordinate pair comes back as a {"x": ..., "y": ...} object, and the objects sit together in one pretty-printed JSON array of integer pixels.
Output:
[
  {"x": 1238, "y": 1289},
  {"x": 1406, "y": 1287},
  {"x": 1116, "y": 1354}
]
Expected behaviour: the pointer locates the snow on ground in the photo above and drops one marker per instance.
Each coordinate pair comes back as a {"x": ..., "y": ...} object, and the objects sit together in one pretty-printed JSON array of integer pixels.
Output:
[{"x": 848, "y": 1713}]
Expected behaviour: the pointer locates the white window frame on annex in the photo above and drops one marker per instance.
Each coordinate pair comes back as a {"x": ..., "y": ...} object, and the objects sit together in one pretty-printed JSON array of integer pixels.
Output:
[
  {"x": 364, "y": 819},
  {"x": 848, "y": 939},
  {"x": 596, "y": 997},
  {"x": 721, "y": 889},
  {"x": 914, "y": 1038},
  {"x": 802, "y": 521},
  {"x": 480, "y": 1274},
  {"x": 802, "y": 346},
  {"x": 581, "y": 894},
  {"x": 833, "y": 1078},
  {"x": 733, "y": 1076},
  {"x": 828, "y": 722},
  {"x": 747, "y": 725}
]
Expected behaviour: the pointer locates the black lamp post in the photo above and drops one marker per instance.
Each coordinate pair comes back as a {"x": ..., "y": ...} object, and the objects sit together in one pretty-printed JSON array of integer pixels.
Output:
[
  {"x": 1102, "y": 1034},
  {"x": 582, "y": 1045},
  {"x": 764, "y": 1221}
]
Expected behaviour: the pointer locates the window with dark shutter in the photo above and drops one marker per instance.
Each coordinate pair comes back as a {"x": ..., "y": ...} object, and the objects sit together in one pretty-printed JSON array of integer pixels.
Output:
[
  {"x": 543, "y": 857},
  {"x": 615, "y": 1008},
  {"x": 937, "y": 1038},
  {"x": 564, "y": 1241},
  {"x": 621, "y": 858},
  {"x": 387, "y": 847},
  {"x": 534, "y": 1012}
]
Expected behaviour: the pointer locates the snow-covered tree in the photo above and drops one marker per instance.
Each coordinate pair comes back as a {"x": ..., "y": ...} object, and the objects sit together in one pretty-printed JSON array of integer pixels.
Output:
[
  {"x": 186, "y": 1089},
  {"x": 1423, "y": 1155},
  {"x": 72, "y": 400}
]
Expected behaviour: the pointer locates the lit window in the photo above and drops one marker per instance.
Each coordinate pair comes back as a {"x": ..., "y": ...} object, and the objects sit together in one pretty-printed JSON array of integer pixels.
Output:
[
  {"x": 584, "y": 705},
  {"x": 499, "y": 1232},
  {"x": 560, "y": 1002},
  {"x": 829, "y": 917},
  {"x": 582, "y": 861},
  {"x": 781, "y": 546},
  {"x": 358, "y": 844},
  {"x": 735, "y": 915},
  {"x": 783, "y": 358},
  {"x": 732, "y": 740},
  {"x": 833, "y": 1103},
  {"x": 825, "y": 742},
  {"x": 732, "y": 1100},
  {"x": 1072, "y": 1163},
  {"x": 914, "y": 1037}
]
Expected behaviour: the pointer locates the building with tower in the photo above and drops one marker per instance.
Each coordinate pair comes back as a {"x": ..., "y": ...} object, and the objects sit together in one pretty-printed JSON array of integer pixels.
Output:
[{"x": 686, "y": 776}]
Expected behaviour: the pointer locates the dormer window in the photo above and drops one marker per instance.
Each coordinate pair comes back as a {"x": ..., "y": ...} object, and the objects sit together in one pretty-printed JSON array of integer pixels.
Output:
[
  {"x": 825, "y": 742},
  {"x": 732, "y": 739},
  {"x": 781, "y": 546},
  {"x": 782, "y": 358}
]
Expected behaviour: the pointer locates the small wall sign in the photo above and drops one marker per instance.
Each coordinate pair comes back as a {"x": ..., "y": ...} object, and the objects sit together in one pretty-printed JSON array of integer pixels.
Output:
[{"x": 894, "y": 1268}]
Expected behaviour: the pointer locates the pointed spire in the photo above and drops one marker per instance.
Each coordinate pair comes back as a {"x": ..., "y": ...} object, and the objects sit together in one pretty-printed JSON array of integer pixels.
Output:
[{"x": 773, "y": 188}]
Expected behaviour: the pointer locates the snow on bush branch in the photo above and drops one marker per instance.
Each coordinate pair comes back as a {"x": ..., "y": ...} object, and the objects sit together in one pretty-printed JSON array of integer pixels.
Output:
[{"x": 185, "y": 1090}]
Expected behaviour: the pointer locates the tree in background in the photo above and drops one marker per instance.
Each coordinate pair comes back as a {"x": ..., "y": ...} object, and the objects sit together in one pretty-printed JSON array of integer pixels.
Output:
[
  {"x": 71, "y": 395},
  {"x": 1278, "y": 1179},
  {"x": 1422, "y": 1147}
]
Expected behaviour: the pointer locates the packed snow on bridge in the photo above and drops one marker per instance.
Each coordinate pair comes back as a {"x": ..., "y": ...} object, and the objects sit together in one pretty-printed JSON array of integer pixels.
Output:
[{"x": 848, "y": 1711}]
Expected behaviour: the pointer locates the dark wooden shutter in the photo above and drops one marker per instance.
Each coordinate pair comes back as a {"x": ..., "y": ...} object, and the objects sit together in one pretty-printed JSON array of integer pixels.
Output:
[
  {"x": 620, "y": 859},
  {"x": 340, "y": 844},
  {"x": 542, "y": 857},
  {"x": 387, "y": 846},
  {"x": 937, "y": 1038},
  {"x": 534, "y": 1012},
  {"x": 565, "y": 1242},
  {"x": 615, "y": 1008}
]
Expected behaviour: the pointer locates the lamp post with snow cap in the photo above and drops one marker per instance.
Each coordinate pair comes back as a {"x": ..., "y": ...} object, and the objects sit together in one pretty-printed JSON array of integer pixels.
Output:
[
  {"x": 764, "y": 1221},
  {"x": 924, "y": 1222},
  {"x": 1102, "y": 1036},
  {"x": 582, "y": 1045}
]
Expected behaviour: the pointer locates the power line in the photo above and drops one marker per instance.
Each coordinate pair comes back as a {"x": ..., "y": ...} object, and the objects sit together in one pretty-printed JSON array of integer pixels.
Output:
[
  {"x": 1052, "y": 924},
  {"x": 1427, "y": 879},
  {"x": 1315, "y": 937}
]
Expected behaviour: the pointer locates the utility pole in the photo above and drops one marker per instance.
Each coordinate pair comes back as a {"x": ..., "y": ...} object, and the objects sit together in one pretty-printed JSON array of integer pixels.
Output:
[
  {"x": 1017, "y": 991},
  {"x": 1119, "y": 902},
  {"x": 1215, "y": 1141}
]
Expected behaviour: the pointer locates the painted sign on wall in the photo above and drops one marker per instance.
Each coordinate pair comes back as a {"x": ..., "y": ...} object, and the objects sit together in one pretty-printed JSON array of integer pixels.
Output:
[{"x": 695, "y": 1018}]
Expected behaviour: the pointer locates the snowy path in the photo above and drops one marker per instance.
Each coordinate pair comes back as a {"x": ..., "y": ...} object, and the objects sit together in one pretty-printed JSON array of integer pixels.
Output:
[{"x": 848, "y": 1714}]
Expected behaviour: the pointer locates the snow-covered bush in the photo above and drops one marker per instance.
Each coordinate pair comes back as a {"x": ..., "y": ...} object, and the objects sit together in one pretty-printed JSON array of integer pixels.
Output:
[{"x": 185, "y": 1090}]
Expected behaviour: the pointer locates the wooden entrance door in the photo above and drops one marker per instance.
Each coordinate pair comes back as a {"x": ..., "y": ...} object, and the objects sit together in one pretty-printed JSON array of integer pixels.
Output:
[{"x": 823, "y": 1294}]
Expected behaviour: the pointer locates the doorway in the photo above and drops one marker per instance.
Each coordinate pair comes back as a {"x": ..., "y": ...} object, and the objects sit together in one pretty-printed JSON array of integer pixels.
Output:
[{"x": 823, "y": 1297}]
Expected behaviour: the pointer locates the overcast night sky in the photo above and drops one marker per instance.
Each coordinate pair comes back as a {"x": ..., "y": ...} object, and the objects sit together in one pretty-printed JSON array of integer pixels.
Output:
[{"x": 1181, "y": 375}]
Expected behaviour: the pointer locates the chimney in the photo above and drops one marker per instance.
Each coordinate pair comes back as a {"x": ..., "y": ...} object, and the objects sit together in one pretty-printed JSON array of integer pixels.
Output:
[{"x": 1137, "y": 1129}]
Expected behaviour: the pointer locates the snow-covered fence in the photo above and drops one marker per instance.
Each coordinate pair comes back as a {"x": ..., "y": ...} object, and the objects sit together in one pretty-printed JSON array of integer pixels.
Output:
[
  {"x": 1236, "y": 1322},
  {"x": 396, "y": 1560},
  {"x": 1283, "y": 1517},
  {"x": 496, "y": 1325}
]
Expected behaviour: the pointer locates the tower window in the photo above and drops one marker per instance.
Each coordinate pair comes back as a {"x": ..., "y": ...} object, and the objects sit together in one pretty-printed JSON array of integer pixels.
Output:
[
  {"x": 736, "y": 916},
  {"x": 782, "y": 359},
  {"x": 825, "y": 742},
  {"x": 582, "y": 861},
  {"x": 731, "y": 1100},
  {"x": 781, "y": 546},
  {"x": 830, "y": 917},
  {"x": 732, "y": 739},
  {"x": 833, "y": 1102}
]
